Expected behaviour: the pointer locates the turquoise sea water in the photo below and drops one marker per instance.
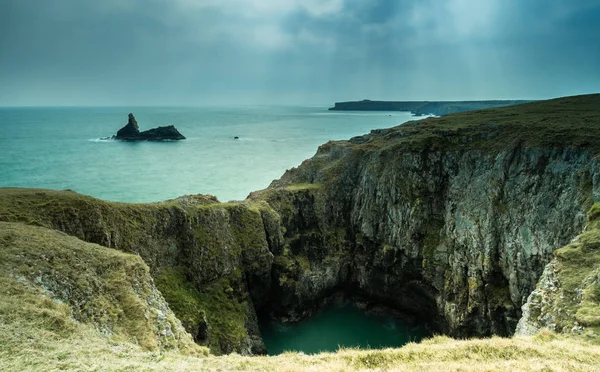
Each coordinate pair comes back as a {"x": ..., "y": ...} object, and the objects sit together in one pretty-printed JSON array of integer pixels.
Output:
[
  {"x": 60, "y": 148},
  {"x": 339, "y": 326}
]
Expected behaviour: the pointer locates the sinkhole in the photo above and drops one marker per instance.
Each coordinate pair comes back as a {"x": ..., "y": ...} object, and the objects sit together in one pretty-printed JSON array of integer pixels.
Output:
[{"x": 341, "y": 324}]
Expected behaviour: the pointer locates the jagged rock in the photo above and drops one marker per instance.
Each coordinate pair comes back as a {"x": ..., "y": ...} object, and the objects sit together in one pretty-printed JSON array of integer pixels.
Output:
[{"x": 131, "y": 132}]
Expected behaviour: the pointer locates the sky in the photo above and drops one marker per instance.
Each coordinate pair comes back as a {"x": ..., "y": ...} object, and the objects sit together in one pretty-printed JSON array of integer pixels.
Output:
[{"x": 312, "y": 52}]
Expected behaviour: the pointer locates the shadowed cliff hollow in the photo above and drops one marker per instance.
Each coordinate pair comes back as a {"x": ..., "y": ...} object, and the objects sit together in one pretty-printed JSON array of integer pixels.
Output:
[{"x": 451, "y": 220}]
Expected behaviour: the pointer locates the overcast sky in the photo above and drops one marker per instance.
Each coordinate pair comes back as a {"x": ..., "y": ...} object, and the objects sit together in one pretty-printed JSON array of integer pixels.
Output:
[{"x": 205, "y": 52}]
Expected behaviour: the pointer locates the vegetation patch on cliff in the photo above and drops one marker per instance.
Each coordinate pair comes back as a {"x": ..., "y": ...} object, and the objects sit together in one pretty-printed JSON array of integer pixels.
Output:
[
  {"x": 216, "y": 306},
  {"x": 567, "y": 298}
]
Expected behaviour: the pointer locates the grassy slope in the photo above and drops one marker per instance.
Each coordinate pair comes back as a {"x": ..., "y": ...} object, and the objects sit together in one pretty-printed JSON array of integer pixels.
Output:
[
  {"x": 152, "y": 230},
  {"x": 564, "y": 123},
  {"x": 57, "y": 281},
  {"x": 570, "y": 121}
]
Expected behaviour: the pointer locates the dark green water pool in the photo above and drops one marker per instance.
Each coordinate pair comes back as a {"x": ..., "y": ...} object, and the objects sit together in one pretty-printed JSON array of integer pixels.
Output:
[{"x": 339, "y": 326}]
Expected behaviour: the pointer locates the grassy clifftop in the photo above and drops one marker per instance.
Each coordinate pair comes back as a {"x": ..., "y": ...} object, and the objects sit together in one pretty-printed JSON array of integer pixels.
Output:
[{"x": 569, "y": 122}]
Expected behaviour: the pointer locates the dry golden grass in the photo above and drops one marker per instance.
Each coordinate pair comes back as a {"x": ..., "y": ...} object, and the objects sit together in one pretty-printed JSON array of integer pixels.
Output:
[{"x": 86, "y": 350}]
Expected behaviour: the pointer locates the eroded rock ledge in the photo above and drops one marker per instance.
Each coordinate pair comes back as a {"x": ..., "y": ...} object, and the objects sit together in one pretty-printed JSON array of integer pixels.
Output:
[{"x": 451, "y": 219}]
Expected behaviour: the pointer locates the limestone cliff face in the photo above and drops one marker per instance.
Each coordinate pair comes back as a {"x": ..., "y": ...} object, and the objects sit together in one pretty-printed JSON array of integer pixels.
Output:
[
  {"x": 451, "y": 218},
  {"x": 460, "y": 237},
  {"x": 567, "y": 296}
]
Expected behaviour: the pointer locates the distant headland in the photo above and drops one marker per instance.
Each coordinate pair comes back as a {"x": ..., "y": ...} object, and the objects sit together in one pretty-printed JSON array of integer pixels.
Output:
[
  {"x": 420, "y": 108},
  {"x": 131, "y": 132}
]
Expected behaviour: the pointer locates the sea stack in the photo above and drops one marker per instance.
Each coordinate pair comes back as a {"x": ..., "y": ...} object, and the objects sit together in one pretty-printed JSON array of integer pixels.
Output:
[
  {"x": 131, "y": 132},
  {"x": 132, "y": 129}
]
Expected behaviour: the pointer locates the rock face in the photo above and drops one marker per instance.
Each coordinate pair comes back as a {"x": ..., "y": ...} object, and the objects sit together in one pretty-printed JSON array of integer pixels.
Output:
[
  {"x": 131, "y": 132},
  {"x": 460, "y": 238},
  {"x": 211, "y": 261},
  {"x": 450, "y": 219},
  {"x": 567, "y": 296}
]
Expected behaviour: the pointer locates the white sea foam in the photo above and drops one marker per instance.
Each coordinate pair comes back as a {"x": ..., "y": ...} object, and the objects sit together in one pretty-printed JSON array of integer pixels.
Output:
[{"x": 104, "y": 139}]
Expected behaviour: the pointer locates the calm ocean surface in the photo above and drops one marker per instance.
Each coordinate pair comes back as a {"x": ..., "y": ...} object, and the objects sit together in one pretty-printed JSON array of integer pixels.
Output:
[{"x": 60, "y": 148}]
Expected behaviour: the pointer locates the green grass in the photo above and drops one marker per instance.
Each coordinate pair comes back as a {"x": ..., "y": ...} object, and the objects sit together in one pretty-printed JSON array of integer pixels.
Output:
[
  {"x": 214, "y": 304},
  {"x": 571, "y": 122},
  {"x": 303, "y": 186}
]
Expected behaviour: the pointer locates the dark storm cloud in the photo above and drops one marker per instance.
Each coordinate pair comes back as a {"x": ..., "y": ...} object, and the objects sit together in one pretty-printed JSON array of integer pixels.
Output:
[{"x": 316, "y": 51}]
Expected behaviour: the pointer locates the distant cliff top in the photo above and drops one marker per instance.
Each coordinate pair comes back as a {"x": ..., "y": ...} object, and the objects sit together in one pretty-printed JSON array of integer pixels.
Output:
[
  {"x": 419, "y": 108},
  {"x": 571, "y": 122}
]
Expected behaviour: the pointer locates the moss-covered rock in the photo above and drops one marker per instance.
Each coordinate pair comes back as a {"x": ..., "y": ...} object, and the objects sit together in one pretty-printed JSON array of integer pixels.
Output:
[
  {"x": 48, "y": 271},
  {"x": 567, "y": 297}
]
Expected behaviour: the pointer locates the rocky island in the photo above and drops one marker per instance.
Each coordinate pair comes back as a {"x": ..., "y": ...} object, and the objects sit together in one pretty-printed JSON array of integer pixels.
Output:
[
  {"x": 481, "y": 225},
  {"x": 131, "y": 132}
]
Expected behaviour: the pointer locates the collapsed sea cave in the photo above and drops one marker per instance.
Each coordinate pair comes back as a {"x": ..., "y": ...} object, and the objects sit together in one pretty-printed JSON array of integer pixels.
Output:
[
  {"x": 343, "y": 321},
  {"x": 378, "y": 312}
]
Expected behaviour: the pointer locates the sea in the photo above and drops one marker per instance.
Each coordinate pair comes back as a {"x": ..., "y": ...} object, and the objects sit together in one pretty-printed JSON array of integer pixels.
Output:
[{"x": 63, "y": 148}]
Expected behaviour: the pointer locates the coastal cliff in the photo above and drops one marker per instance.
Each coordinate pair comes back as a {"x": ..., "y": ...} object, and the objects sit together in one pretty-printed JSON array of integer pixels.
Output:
[
  {"x": 202, "y": 254},
  {"x": 450, "y": 220},
  {"x": 420, "y": 108}
]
